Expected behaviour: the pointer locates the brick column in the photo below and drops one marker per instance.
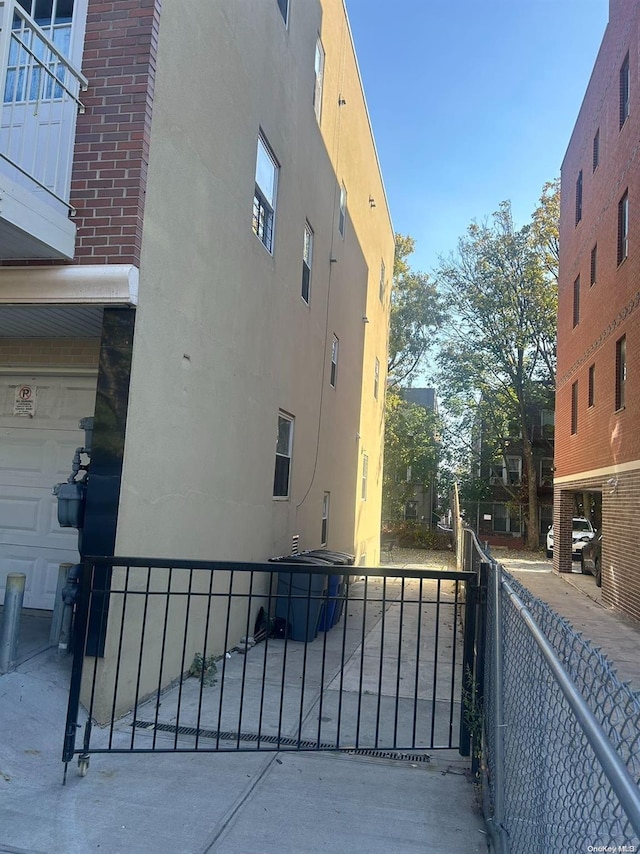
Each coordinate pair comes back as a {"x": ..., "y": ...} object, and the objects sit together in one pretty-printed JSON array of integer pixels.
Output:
[{"x": 562, "y": 527}]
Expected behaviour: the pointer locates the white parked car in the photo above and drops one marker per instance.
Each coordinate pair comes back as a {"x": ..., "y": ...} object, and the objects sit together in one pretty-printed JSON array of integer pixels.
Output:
[{"x": 583, "y": 533}]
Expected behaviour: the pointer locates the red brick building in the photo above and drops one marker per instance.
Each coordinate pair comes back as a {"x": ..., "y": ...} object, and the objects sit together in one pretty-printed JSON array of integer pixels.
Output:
[{"x": 597, "y": 447}]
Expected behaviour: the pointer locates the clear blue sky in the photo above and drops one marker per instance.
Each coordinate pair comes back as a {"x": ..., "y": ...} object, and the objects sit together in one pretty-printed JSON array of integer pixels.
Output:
[{"x": 472, "y": 102}]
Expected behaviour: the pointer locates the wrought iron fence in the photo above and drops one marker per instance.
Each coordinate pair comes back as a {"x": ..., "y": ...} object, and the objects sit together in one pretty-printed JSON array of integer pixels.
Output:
[
  {"x": 242, "y": 657},
  {"x": 561, "y": 746}
]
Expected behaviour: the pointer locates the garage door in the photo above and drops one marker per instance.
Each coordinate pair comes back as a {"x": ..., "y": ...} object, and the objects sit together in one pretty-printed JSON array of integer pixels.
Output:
[{"x": 36, "y": 451}]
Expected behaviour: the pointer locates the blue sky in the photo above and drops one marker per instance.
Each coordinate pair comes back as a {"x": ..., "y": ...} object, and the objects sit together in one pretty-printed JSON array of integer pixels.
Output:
[{"x": 471, "y": 103}]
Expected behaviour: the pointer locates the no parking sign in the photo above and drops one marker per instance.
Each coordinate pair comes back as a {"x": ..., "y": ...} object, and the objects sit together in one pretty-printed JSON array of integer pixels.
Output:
[{"x": 25, "y": 401}]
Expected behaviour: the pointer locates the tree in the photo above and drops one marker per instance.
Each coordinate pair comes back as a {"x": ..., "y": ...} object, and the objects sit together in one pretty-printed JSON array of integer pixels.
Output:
[
  {"x": 498, "y": 356},
  {"x": 410, "y": 452},
  {"x": 416, "y": 315}
]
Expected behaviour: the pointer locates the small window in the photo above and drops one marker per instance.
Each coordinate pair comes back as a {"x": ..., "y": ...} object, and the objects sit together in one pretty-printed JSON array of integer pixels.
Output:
[
  {"x": 283, "y": 5},
  {"x": 376, "y": 379},
  {"x": 325, "y": 519},
  {"x": 576, "y": 302},
  {"x": 623, "y": 228},
  {"x": 343, "y": 210},
  {"x": 574, "y": 408},
  {"x": 411, "y": 510},
  {"x": 307, "y": 259},
  {"x": 592, "y": 385},
  {"x": 594, "y": 265},
  {"x": 319, "y": 78},
  {"x": 284, "y": 447},
  {"x": 383, "y": 276},
  {"x": 365, "y": 476},
  {"x": 579, "y": 197},
  {"x": 334, "y": 361},
  {"x": 621, "y": 371},
  {"x": 546, "y": 471},
  {"x": 514, "y": 470},
  {"x": 596, "y": 150},
  {"x": 264, "y": 199},
  {"x": 624, "y": 90}
]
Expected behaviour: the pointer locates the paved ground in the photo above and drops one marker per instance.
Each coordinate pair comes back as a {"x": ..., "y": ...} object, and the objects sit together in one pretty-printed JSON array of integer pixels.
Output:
[{"x": 284, "y": 803}]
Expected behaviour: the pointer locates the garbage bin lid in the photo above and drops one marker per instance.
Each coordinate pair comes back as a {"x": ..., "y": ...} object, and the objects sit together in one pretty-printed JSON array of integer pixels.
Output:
[
  {"x": 339, "y": 558},
  {"x": 314, "y": 560}
]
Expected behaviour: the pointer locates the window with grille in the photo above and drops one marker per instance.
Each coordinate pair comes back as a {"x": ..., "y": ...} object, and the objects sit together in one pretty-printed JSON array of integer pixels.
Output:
[
  {"x": 623, "y": 227},
  {"x": 596, "y": 150},
  {"x": 592, "y": 385},
  {"x": 579, "y": 197},
  {"x": 264, "y": 199},
  {"x": 307, "y": 258},
  {"x": 319, "y": 78},
  {"x": 574, "y": 408},
  {"x": 576, "y": 302},
  {"x": 383, "y": 276},
  {"x": 376, "y": 379},
  {"x": 621, "y": 371},
  {"x": 334, "y": 361},
  {"x": 594, "y": 265},
  {"x": 624, "y": 90},
  {"x": 284, "y": 447}
]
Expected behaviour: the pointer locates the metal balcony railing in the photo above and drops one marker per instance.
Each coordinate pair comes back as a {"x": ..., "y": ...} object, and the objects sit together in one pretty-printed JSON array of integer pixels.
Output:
[{"x": 40, "y": 90}]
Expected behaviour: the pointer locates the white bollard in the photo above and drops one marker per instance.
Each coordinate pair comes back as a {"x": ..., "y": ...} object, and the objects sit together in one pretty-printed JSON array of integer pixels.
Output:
[{"x": 13, "y": 596}]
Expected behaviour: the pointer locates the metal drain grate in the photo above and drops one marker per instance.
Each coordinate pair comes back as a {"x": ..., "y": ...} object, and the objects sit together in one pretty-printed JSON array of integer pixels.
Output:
[{"x": 282, "y": 741}]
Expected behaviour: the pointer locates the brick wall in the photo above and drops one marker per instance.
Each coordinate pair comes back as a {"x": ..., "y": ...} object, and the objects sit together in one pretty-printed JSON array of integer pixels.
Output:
[
  {"x": 112, "y": 138},
  {"x": 49, "y": 352}
]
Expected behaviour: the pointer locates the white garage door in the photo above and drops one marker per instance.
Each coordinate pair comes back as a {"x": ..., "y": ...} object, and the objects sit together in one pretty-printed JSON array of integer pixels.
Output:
[{"x": 36, "y": 451}]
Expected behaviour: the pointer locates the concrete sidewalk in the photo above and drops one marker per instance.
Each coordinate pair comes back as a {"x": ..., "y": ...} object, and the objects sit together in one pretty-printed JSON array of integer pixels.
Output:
[{"x": 232, "y": 803}]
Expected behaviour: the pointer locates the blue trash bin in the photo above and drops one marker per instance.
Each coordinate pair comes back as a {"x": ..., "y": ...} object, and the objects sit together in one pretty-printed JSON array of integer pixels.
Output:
[
  {"x": 333, "y": 604},
  {"x": 300, "y": 598}
]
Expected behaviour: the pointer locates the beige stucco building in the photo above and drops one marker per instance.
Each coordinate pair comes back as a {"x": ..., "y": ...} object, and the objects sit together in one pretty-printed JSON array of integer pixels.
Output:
[{"x": 211, "y": 281}]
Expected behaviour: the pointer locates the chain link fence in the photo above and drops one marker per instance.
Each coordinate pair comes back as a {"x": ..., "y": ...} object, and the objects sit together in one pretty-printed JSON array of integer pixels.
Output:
[{"x": 551, "y": 782}]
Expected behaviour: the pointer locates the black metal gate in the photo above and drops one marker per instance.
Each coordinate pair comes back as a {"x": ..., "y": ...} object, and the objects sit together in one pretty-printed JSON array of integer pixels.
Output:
[{"x": 219, "y": 656}]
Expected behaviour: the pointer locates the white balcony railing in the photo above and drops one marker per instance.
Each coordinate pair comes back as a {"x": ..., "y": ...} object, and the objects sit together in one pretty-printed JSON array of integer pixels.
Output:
[{"x": 40, "y": 91}]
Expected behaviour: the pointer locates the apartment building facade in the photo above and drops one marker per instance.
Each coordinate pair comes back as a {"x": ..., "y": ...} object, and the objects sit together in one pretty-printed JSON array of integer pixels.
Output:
[
  {"x": 597, "y": 450},
  {"x": 194, "y": 253}
]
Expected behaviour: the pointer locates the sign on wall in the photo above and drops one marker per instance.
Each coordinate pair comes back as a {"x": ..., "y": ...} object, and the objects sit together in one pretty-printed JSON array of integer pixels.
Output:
[{"x": 25, "y": 401}]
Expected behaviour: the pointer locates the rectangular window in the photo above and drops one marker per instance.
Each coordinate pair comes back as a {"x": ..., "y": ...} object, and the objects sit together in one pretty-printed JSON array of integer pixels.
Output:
[
  {"x": 596, "y": 150},
  {"x": 376, "y": 379},
  {"x": 383, "y": 276},
  {"x": 365, "y": 476},
  {"x": 574, "y": 408},
  {"x": 624, "y": 90},
  {"x": 506, "y": 519},
  {"x": 319, "y": 78},
  {"x": 592, "y": 385},
  {"x": 576, "y": 302},
  {"x": 264, "y": 199},
  {"x": 284, "y": 448},
  {"x": 546, "y": 471},
  {"x": 334, "y": 361},
  {"x": 594, "y": 265},
  {"x": 343, "y": 210},
  {"x": 307, "y": 259},
  {"x": 411, "y": 510},
  {"x": 514, "y": 470},
  {"x": 579, "y": 197},
  {"x": 283, "y": 5},
  {"x": 621, "y": 371},
  {"x": 623, "y": 227},
  {"x": 325, "y": 519}
]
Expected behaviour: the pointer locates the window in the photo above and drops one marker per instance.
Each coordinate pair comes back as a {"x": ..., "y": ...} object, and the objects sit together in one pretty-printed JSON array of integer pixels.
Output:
[
  {"x": 264, "y": 200},
  {"x": 596, "y": 150},
  {"x": 411, "y": 510},
  {"x": 307, "y": 258},
  {"x": 576, "y": 302},
  {"x": 514, "y": 470},
  {"x": 383, "y": 276},
  {"x": 284, "y": 447},
  {"x": 579, "y": 197},
  {"x": 546, "y": 471},
  {"x": 624, "y": 91},
  {"x": 334, "y": 361},
  {"x": 376, "y": 379},
  {"x": 623, "y": 227},
  {"x": 621, "y": 371},
  {"x": 506, "y": 519},
  {"x": 365, "y": 475},
  {"x": 325, "y": 519},
  {"x": 594, "y": 265},
  {"x": 319, "y": 78},
  {"x": 343, "y": 209},
  {"x": 574, "y": 408},
  {"x": 592, "y": 385},
  {"x": 283, "y": 5}
]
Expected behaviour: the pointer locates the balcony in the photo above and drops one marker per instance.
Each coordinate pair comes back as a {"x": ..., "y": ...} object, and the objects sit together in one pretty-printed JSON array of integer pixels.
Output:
[{"x": 40, "y": 90}]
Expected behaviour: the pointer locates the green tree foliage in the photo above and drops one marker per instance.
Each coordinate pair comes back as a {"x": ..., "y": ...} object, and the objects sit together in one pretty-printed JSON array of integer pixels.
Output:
[
  {"x": 410, "y": 452},
  {"x": 498, "y": 352},
  {"x": 416, "y": 315}
]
